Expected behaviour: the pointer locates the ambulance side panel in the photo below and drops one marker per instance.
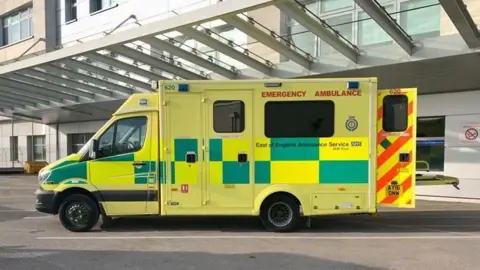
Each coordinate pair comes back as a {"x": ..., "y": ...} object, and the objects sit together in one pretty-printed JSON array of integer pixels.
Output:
[
  {"x": 396, "y": 147},
  {"x": 314, "y": 139}
]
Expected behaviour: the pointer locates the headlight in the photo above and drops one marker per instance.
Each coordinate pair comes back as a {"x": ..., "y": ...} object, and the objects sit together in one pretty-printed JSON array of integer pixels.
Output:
[{"x": 43, "y": 175}]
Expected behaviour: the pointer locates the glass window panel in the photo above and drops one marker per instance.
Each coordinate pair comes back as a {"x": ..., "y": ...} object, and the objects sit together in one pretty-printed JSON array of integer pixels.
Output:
[
  {"x": 25, "y": 29},
  {"x": 422, "y": 20},
  {"x": 300, "y": 119},
  {"x": 130, "y": 135},
  {"x": 343, "y": 24},
  {"x": 431, "y": 127},
  {"x": 105, "y": 143},
  {"x": 303, "y": 39},
  {"x": 434, "y": 155},
  {"x": 6, "y": 36},
  {"x": 24, "y": 14},
  {"x": 7, "y": 21},
  {"x": 300, "y": 36},
  {"x": 39, "y": 149},
  {"x": 395, "y": 113},
  {"x": 229, "y": 116},
  {"x": 331, "y": 5},
  {"x": 30, "y": 21},
  {"x": 38, "y": 140},
  {"x": 15, "y": 32},
  {"x": 15, "y": 18},
  {"x": 369, "y": 32}
]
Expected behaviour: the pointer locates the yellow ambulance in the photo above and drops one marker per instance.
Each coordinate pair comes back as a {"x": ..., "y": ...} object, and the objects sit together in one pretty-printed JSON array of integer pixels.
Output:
[{"x": 282, "y": 149}]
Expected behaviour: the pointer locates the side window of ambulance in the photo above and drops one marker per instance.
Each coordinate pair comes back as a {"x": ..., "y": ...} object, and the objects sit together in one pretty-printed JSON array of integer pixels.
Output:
[
  {"x": 395, "y": 113},
  {"x": 124, "y": 136},
  {"x": 228, "y": 116},
  {"x": 284, "y": 119}
]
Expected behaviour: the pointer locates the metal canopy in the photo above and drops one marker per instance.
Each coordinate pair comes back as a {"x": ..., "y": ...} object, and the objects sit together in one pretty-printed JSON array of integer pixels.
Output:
[
  {"x": 227, "y": 49},
  {"x": 117, "y": 65},
  {"x": 384, "y": 20},
  {"x": 318, "y": 27},
  {"x": 461, "y": 18}
]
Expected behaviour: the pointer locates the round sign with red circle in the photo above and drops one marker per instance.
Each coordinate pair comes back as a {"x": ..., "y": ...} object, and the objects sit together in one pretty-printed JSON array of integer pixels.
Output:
[{"x": 471, "y": 134}]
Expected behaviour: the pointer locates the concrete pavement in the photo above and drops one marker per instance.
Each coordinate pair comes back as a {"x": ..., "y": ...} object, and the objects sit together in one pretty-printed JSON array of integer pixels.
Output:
[{"x": 436, "y": 235}]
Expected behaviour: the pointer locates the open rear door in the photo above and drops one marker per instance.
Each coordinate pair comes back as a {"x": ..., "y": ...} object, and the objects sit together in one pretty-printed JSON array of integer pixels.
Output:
[{"x": 396, "y": 133}]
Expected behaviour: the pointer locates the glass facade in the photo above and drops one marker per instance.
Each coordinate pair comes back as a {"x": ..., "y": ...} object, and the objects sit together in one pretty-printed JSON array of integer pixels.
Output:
[{"x": 419, "y": 18}]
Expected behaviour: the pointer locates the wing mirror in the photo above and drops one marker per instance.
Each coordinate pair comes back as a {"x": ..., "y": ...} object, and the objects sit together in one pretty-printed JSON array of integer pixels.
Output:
[{"x": 93, "y": 153}]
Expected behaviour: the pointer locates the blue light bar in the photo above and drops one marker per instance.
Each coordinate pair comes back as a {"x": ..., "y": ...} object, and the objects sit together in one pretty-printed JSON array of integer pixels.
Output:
[
  {"x": 182, "y": 87},
  {"x": 353, "y": 85},
  {"x": 430, "y": 142}
]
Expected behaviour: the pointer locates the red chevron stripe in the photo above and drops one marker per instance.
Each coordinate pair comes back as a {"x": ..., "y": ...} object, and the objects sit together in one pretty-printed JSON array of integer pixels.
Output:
[
  {"x": 384, "y": 180},
  {"x": 380, "y": 113},
  {"x": 394, "y": 147},
  {"x": 410, "y": 108}
]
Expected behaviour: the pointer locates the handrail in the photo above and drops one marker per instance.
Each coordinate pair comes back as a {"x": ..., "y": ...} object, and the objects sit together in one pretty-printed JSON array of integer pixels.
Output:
[
  {"x": 132, "y": 16},
  {"x": 426, "y": 163},
  {"x": 29, "y": 48}
]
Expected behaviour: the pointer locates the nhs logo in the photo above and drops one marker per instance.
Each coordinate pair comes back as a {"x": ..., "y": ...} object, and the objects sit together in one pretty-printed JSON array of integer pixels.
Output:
[{"x": 355, "y": 143}]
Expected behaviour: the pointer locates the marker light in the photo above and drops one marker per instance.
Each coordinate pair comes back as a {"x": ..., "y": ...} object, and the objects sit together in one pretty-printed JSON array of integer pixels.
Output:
[
  {"x": 353, "y": 85},
  {"x": 182, "y": 87},
  {"x": 272, "y": 84},
  {"x": 143, "y": 101}
]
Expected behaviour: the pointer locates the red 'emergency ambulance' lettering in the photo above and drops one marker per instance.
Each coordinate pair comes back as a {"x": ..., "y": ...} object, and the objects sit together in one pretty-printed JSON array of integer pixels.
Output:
[
  {"x": 275, "y": 94},
  {"x": 336, "y": 93}
]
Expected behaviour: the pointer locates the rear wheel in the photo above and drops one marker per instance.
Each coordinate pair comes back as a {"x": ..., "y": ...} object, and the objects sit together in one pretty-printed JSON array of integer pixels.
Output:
[
  {"x": 280, "y": 213},
  {"x": 78, "y": 213}
]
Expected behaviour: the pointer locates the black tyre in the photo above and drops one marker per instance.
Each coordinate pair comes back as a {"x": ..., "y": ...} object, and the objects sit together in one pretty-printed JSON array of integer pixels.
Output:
[
  {"x": 78, "y": 213},
  {"x": 280, "y": 213}
]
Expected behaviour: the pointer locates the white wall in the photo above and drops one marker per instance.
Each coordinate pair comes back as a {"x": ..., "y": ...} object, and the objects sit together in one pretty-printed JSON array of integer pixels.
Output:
[
  {"x": 24, "y": 129},
  {"x": 90, "y": 26},
  {"x": 81, "y": 127},
  {"x": 462, "y": 159}
]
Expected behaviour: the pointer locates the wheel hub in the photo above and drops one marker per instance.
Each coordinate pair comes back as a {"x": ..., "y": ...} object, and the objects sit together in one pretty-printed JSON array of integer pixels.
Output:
[
  {"x": 78, "y": 214},
  {"x": 280, "y": 214}
]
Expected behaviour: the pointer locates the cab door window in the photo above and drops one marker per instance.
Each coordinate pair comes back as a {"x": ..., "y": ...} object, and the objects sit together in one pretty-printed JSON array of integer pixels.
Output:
[{"x": 124, "y": 136}]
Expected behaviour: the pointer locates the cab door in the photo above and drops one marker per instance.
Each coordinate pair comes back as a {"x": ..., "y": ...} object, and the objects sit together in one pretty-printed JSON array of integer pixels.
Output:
[
  {"x": 123, "y": 165},
  {"x": 228, "y": 152},
  {"x": 183, "y": 152},
  {"x": 396, "y": 133}
]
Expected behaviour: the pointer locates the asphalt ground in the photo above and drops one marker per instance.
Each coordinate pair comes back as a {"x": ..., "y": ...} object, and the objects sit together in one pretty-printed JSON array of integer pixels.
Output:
[{"x": 435, "y": 235}]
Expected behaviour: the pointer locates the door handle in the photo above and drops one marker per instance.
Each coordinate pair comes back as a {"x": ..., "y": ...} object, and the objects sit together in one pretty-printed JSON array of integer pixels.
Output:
[
  {"x": 139, "y": 163},
  {"x": 191, "y": 157},
  {"x": 242, "y": 157}
]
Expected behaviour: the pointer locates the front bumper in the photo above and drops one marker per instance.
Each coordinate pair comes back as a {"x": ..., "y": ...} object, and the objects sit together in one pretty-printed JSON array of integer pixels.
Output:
[{"x": 44, "y": 201}]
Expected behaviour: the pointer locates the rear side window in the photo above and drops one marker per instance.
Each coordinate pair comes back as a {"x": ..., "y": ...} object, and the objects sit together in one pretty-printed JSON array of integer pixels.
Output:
[
  {"x": 229, "y": 116},
  {"x": 287, "y": 119},
  {"x": 395, "y": 113}
]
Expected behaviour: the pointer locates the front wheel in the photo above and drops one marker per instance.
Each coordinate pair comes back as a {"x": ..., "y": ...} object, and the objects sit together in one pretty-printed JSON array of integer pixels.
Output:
[
  {"x": 280, "y": 214},
  {"x": 78, "y": 213}
]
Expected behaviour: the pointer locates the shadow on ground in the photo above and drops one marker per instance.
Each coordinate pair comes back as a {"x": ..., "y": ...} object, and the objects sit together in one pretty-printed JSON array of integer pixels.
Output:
[
  {"x": 15, "y": 258},
  {"x": 397, "y": 222},
  {"x": 12, "y": 214}
]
